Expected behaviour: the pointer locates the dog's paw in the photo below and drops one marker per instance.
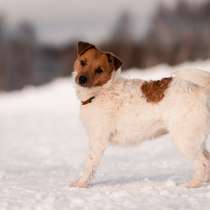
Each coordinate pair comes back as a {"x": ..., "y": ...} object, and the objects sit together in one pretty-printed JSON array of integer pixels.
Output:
[
  {"x": 192, "y": 184},
  {"x": 79, "y": 184}
]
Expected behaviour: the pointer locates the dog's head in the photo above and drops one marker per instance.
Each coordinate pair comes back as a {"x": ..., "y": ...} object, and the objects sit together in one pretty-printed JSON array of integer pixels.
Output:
[{"x": 93, "y": 67}]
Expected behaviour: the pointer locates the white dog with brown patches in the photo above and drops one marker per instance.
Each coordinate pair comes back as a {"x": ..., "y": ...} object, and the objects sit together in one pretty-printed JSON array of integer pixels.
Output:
[{"x": 121, "y": 111}]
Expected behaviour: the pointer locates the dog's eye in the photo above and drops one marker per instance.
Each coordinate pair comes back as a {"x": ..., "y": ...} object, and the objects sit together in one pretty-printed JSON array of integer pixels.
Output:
[
  {"x": 83, "y": 62},
  {"x": 99, "y": 70}
]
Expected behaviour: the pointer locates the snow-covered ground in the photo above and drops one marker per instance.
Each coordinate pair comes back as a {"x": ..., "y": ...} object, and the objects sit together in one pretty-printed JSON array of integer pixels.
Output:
[{"x": 43, "y": 146}]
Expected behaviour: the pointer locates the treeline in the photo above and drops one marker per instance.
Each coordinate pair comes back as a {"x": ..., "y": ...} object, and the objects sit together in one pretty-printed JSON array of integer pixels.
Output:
[
  {"x": 175, "y": 35},
  {"x": 23, "y": 61}
]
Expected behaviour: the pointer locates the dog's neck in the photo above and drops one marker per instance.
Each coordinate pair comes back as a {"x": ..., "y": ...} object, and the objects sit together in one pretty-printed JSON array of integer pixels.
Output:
[{"x": 85, "y": 94}]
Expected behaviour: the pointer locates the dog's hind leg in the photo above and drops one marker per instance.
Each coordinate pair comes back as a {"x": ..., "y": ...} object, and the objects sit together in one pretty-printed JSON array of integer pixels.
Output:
[
  {"x": 200, "y": 162},
  {"x": 200, "y": 176},
  {"x": 190, "y": 142},
  {"x": 207, "y": 154}
]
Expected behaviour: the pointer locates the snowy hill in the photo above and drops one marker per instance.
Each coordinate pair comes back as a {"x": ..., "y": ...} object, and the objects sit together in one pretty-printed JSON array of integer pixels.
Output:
[{"x": 43, "y": 146}]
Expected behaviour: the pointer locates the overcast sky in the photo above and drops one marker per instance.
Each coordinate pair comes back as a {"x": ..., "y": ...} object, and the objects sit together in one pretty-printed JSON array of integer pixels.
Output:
[{"x": 60, "y": 20}]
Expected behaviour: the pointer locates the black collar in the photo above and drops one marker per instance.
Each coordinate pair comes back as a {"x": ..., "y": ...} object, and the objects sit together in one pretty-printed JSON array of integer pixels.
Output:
[{"x": 87, "y": 101}]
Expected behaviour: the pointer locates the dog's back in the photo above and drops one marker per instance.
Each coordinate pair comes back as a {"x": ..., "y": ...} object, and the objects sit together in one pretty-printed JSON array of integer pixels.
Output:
[{"x": 196, "y": 76}]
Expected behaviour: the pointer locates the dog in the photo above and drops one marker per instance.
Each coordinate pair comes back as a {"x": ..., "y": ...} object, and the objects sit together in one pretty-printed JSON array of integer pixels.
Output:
[{"x": 115, "y": 110}]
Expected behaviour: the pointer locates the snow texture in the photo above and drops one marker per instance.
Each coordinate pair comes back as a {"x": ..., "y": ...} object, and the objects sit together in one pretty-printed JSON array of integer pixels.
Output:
[{"x": 43, "y": 147}]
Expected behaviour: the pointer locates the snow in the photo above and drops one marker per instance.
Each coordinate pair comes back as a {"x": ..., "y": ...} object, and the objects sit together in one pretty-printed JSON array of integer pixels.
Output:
[{"x": 43, "y": 146}]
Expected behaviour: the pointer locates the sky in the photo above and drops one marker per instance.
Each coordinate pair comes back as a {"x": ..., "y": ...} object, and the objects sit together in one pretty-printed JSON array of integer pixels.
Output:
[{"x": 58, "y": 21}]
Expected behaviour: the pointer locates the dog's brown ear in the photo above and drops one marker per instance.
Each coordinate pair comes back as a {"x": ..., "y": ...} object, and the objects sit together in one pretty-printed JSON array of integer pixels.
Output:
[
  {"x": 83, "y": 46},
  {"x": 114, "y": 60}
]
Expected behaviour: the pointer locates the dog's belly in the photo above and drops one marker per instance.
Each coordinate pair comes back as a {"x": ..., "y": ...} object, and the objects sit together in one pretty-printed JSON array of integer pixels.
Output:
[
  {"x": 122, "y": 137},
  {"x": 136, "y": 130}
]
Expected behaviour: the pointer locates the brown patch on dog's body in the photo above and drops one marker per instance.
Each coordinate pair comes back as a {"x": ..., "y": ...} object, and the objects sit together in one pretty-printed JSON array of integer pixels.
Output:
[{"x": 154, "y": 91}]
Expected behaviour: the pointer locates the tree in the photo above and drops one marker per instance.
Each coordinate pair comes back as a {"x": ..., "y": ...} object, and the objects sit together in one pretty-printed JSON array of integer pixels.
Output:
[{"x": 122, "y": 28}]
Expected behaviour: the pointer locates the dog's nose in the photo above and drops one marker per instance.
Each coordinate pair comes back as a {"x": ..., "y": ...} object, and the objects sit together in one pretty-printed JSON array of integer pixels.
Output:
[{"x": 82, "y": 80}]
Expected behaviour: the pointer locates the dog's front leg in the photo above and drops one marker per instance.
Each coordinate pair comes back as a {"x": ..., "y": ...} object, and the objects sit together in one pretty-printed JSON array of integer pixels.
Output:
[{"x": 96, "y": 150}]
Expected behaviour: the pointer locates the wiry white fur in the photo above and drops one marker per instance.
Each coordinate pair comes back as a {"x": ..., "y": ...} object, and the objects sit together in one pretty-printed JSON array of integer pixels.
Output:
[
  {"x": 120, "y": 114},
  {"x": 195, "y": 76}
]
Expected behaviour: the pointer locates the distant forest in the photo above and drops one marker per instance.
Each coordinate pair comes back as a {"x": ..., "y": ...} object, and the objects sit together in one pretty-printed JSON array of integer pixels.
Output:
[{"x": 175, "y": 35}]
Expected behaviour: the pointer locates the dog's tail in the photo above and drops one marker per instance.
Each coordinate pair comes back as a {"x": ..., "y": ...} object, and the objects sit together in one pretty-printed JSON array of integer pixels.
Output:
[{"x": 196, "y": 76}]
